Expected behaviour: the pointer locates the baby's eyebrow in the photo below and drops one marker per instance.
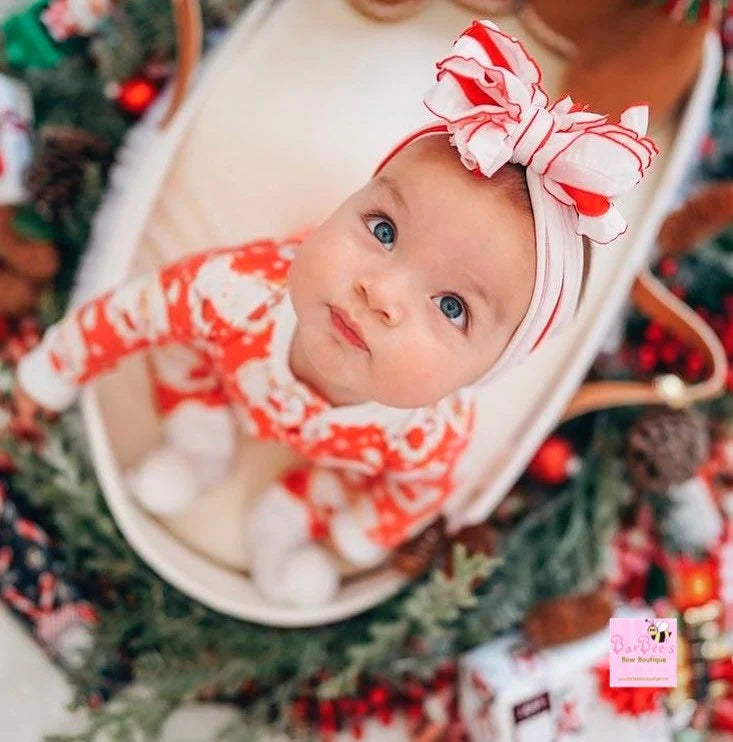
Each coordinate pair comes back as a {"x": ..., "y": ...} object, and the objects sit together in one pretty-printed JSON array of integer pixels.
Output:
[{"x": 389, "y": 185}]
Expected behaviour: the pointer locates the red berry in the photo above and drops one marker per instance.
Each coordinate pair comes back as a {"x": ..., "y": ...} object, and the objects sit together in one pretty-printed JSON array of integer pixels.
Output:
[
  {"x": 300, "y": 709},
  {"x": 694, "y": 364},
  {"x": 679, "y": 291},
  {"x": 326, "y": 710},
  {"x": 328, "y": 727},
  {"x": 345, "y": 706},
  {"x": 729, "y": 380},
  {"x": 654, "y": 333},
  {"x": 647, "y": 357},
  {"x": 718, "y": 324},
  {"x": 361, "y": 708},
  {"x": 378, "y": 696},
  {"x": 414, "y": 711},
  {"x": 385, "y": 715},
  {"x": 415, "y": 692},
  {"x": 448, "y": 670},
  {"x": 357, "y": 731},
  {"x": 667, "y": 267},
  {"x": 670, "y": 352},
  {"x": 728, "y": 344}
]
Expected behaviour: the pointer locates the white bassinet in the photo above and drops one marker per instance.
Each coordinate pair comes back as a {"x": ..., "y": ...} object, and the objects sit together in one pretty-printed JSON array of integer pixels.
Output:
[{"x": 286, "y": 117}]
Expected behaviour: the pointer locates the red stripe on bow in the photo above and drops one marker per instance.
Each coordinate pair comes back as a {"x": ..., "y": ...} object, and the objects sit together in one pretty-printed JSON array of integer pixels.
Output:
[
  {"x": 471, "y": 89},
  {"x": 479, "y": 33},
  {"x": 587, "y": 202}
]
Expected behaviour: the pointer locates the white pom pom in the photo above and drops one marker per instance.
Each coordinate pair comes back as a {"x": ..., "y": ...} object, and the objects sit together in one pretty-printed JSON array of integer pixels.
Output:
[
  {"x": 310, "y": 576},
  {"x": 165, "y": 483}
]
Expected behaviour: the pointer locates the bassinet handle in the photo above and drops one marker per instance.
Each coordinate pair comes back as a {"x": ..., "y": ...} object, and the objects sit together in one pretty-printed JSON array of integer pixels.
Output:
[
  {"x": 655, "y": 301},
  {"x": 189, "y": 44}
]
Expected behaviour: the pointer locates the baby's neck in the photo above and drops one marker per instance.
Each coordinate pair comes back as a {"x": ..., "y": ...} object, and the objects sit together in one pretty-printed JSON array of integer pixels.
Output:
[{"x": 304, "y": 372}]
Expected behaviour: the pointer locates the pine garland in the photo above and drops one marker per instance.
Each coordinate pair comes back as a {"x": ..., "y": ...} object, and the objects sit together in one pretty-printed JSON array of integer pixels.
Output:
[
  {"x": 177, "y": 648},
  {"x": 74, "y": 91}
]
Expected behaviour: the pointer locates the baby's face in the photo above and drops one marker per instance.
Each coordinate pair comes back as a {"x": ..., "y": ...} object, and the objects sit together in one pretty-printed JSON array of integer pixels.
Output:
[{"x": 434, "y": 267}]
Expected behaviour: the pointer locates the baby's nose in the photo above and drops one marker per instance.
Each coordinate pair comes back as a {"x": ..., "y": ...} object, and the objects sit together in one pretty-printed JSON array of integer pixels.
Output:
[{"x": 384, "y": 297}]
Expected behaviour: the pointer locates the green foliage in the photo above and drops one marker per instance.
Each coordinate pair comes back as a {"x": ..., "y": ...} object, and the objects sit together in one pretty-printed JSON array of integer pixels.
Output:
[{"x": 178, "y": 647}]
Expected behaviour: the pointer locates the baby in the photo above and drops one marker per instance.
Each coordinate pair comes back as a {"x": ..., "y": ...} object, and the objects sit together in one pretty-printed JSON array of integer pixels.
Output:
[{"x": 361, "y": 344}]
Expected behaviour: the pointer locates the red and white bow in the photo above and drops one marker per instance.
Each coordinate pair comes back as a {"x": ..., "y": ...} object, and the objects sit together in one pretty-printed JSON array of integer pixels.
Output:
[
  {"x": 489, "y": 100},
  {"x": 489, "y": 94}
]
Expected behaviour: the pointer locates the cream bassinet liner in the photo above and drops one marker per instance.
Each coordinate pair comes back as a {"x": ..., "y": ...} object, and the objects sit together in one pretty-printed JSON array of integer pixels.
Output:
[{"x": 288, "y": 116}]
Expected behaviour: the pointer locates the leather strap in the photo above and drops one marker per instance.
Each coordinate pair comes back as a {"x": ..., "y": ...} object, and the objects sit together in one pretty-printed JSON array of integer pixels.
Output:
[
  {"x": 189, "y": 44},
  {"x": 655, "y": 301}
]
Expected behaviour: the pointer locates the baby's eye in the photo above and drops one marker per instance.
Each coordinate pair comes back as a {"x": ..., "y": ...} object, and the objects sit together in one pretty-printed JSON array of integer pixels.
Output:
[
  {"x": 382, "y": 229},
  {"x": 454, "y": 309}
]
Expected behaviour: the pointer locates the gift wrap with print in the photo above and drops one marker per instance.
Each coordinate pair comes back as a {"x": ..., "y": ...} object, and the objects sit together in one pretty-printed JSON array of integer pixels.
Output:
[{"x": 240, "y": 160}]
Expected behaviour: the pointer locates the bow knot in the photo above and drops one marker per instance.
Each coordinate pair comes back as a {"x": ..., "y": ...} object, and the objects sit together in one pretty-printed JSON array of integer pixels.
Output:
[{"x": 488, "y": 93}]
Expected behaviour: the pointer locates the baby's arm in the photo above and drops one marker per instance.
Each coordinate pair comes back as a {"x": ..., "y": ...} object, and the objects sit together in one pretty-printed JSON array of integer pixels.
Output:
[
  {"x": 185, "y": 301},
  {"x": 361, "y": 518}
]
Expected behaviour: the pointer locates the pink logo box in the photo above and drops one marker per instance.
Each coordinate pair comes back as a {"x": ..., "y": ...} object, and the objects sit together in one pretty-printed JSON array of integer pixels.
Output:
[{"x": 643, "y": 652}]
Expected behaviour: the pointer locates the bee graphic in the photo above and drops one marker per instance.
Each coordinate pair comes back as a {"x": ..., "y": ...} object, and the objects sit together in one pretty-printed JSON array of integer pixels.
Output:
[{"x": 658, "y": 631}]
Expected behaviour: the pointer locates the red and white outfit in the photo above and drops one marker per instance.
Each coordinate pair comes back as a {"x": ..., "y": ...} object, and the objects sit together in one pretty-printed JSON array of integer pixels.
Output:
[{"x": 219, "y": 326}]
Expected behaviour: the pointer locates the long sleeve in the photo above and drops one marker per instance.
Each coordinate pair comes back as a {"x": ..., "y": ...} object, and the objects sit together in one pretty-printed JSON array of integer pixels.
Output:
[
  {"x": 365, "y": 516},
  {"x": 199, "y": 299}
]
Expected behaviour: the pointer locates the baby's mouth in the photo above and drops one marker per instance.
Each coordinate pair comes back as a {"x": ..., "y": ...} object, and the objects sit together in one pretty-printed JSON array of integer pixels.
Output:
[{"x": 347, "y": 327}]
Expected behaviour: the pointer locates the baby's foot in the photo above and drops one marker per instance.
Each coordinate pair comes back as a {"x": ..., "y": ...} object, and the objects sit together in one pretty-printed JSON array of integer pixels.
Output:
[
  {"x": 285, "y": 565},
  {"x": 310, "y": 576},
  {"x": 306, "y": 575},
  {"x": 165, "y": 483}
]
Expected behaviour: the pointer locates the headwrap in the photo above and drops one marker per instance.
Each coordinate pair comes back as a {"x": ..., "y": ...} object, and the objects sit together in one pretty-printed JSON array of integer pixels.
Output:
[{"x": 489, "y": 100}]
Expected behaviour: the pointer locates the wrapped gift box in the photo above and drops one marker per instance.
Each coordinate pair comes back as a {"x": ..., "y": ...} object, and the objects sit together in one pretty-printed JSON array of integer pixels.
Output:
[{"x": 509, "y": 692}]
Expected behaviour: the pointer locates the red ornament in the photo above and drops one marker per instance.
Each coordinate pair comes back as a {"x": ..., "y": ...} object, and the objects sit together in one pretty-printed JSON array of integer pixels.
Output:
[
  {"x": 554, "y": 461},
  {"x": 692, "y": 583},
  {"x": 136, "y": 94}
]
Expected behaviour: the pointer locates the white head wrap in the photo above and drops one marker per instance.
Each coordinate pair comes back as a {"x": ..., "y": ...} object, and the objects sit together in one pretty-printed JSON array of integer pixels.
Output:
[{"x": 489, "y": 99}]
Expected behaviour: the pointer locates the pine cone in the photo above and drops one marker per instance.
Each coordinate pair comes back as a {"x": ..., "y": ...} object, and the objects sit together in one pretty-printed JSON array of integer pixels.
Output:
[
  {"x": 36, "y": 260},
  {"x": 568, "y": 617},
  {"x": 666, "y": 447},
  {"x": 17, "y": 294},
  {"x": 700, "y": 218},
  {"x": 416, "y": 556},
  {"x": 479, "y": 539},
  {"x": 55, "y": 175}
]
